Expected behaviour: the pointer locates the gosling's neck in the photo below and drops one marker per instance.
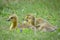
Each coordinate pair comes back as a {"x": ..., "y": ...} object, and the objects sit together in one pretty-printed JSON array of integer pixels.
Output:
[{"x": 13, "y": 25}]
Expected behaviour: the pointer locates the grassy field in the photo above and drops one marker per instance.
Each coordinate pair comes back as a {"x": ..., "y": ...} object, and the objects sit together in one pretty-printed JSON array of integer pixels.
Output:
[{"x": 47, "y": 9}]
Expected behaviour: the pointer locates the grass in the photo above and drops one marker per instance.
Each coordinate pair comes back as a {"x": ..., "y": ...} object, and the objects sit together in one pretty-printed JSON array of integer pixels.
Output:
[{"x": 47, "y": 9}]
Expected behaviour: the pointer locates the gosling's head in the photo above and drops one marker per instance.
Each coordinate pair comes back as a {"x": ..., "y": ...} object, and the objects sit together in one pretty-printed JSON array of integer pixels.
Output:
[
  {"x": 12, "y": 18},
  {"x": 29, "y": 17}
]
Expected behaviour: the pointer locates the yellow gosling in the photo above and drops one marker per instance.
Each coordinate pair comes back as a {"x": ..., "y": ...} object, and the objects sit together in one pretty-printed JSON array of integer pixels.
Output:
[{"x": 13, "y": 19}]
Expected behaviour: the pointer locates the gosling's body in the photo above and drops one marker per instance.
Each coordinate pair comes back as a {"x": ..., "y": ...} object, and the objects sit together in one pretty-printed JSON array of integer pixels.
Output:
[
  {"x": 44, "y": 25},
  {"x": 40, "y": 23}
]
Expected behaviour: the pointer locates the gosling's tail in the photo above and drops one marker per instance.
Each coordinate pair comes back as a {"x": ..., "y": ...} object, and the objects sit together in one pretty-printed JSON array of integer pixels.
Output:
[{"x": 52, "y": 29}]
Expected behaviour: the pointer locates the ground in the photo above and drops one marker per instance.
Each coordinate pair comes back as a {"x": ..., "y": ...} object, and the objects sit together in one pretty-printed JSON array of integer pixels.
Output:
[{"x": 47, "y": 9}]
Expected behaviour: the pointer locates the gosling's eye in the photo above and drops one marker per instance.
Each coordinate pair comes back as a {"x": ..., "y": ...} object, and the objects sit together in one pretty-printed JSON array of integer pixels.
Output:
[{"x": 26, "y": 17}]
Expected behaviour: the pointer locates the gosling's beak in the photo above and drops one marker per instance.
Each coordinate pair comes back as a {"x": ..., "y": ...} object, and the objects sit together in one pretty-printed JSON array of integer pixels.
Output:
[{"x": 8, "y": 19}]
